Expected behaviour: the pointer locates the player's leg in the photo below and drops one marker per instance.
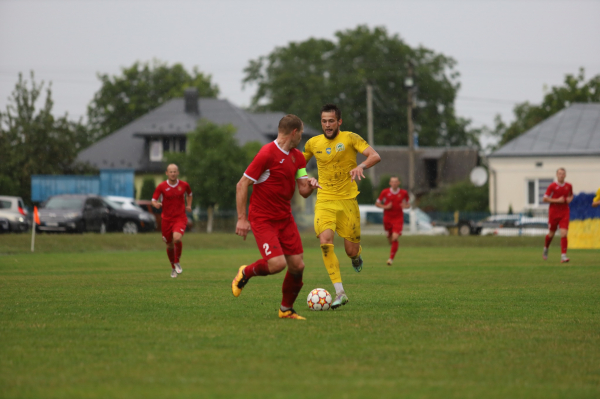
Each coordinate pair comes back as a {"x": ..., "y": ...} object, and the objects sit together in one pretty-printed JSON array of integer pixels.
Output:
[
  {"x": 552, "y": 226},
  {"x": 178, "y": 248},
  {"x": 167, "y": 236},
  {"x": 394, "y": 249},
  {"x": 564, "y": 243},
  {"x": 348, "y": 227},
  {"x": 290, "y": 241},
  {"x": 272, "y": 260},
  {"x": 325, "y": 225}
]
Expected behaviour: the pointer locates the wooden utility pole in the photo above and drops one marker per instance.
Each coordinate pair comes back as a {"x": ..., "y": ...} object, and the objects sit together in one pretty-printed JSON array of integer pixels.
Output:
[
  {"x": 411, "y": 136},
  {"x": 370, "y": 134}
]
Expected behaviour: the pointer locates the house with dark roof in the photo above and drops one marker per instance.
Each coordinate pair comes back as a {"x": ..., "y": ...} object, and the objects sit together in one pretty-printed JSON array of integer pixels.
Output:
[
  {"x": 140, "y": 145},
  {"x": 521, "y": 170},
  {"x": 435, "y": 167}
]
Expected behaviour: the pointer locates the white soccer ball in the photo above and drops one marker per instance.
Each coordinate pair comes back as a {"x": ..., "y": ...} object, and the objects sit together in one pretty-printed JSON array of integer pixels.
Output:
[{"x": 319, "y": 299}]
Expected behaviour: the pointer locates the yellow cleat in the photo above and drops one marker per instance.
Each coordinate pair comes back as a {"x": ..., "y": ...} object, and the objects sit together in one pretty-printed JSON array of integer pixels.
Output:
[
  {"x": 290, "y": 314},
  {"x": 239, "y": 282}
]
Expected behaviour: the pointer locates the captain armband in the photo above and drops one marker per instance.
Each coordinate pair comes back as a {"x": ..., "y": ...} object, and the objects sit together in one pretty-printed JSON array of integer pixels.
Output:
[{"x": 301, "y": 173}]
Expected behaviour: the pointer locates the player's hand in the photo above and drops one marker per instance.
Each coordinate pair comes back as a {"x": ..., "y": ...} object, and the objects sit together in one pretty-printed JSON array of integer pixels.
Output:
[
  {"x": 388, "y": 206},
  {"x": 561, "y": 200},
  {"x": 242, "y": 228},
  {"x": 314, "y": 183},
  {"x": 156, "y": 204},
  {"x": 357, "y": 173},
  {"x": 188, "y": 208}
]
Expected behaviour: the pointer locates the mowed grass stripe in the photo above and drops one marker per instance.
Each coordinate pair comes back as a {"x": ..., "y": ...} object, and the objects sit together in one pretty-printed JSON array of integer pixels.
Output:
[{"x": 442, "y": 322}]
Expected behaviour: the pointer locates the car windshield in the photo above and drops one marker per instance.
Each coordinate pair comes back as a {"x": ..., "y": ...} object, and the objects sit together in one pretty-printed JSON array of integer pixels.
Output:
[
  {"x": 64, "y": 203},
  {"x": 113, "y": 204}
]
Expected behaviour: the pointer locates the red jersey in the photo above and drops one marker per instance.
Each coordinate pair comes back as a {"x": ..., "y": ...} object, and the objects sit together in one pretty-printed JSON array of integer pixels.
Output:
[
  {"x": 556, "y": 191},
  {"x": 388, "y": 196},
  {"x": 173, "y": 202},
  {"x": 274, "y": 173}
]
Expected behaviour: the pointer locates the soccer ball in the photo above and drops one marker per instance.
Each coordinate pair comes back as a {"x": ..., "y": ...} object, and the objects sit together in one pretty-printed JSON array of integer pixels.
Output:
[{"x": 319, "y": 299}]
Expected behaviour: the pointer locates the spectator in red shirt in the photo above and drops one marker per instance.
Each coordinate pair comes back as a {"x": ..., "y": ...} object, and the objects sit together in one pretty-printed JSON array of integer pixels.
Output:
[
  {"x": 393, "y": 201},
  {"x": 559, "y": 195},
  {"x": 273, "y": 173},
  {"x": 174, "y": 218}
]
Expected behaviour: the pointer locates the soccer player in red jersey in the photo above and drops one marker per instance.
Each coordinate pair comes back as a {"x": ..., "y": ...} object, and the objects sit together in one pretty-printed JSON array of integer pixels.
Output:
[
  {"x": 559, "y": 195},
  {"x": 174, "y": 219},
  {"x": 393, "y": 201},
  {"x": 274, "y": 172}
]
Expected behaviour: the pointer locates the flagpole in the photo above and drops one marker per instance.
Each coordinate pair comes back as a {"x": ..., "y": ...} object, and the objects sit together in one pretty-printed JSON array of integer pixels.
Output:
[{"x": 35, "y": 222}]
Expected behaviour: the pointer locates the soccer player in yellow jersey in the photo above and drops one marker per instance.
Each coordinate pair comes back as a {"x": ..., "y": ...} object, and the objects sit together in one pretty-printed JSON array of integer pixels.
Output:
[{"x": 336, "y": 209}]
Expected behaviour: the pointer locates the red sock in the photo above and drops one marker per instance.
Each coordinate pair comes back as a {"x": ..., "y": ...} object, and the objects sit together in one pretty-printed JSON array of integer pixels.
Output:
[
  {"x": 548, "y": 241},
  {"x": 292, "y": 284},
  {"x": 564, "y": 243},
  {"x": 394, "y": 249},
  {"x": 171, "y": 255},
  {"x": 258, "y": 268},
  {"x": 178, "y": 250}
]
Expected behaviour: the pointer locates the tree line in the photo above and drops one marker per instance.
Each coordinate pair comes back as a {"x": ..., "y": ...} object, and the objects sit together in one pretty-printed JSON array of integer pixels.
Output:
[{"x": 297, "y": 78}]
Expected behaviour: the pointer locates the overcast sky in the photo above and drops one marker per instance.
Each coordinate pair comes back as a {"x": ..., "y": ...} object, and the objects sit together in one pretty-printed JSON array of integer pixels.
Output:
[{"x": 507, "y": 51}]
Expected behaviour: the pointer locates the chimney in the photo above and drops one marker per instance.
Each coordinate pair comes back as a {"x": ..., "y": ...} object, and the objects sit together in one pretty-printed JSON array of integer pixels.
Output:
[{"x": 191, "y": 101}]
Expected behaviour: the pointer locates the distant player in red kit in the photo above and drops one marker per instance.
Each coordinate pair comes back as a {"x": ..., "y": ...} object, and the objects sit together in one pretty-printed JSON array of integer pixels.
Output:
[
  {"x": 559, "y": 195},
  {"x": 393, "y": 201},
  {"x": 174, "y": 219},
  {"x": 274, "y": 172}
]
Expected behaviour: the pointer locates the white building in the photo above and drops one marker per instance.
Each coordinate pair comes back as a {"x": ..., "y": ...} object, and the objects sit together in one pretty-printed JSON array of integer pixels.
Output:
[{"x": 521, "y": 170}]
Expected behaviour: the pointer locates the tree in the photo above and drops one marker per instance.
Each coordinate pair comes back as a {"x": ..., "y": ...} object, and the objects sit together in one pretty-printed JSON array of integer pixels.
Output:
[
  {"x": 141, "y": 88},
  {"x": 148, "y": 188},
  {"x": 366, "y": 192},
  {"x": 213, "y": 165},
  {"x": 575, "y": 89},
  {"x": 33, "y": 141},
  {"x": 301, "y": 77},
  {"x": 461, "y": 196}
]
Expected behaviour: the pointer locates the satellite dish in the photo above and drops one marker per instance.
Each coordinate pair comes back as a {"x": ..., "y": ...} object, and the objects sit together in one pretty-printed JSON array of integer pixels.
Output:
[{"x": 479, "y": 176}]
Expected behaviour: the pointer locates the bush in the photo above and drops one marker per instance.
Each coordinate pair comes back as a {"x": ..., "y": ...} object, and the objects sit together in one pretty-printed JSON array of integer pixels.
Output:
[
  {"x": 366, "y": 192},
  {"x": 148, "y": 188},
  {"x": 461, "y": 196}
]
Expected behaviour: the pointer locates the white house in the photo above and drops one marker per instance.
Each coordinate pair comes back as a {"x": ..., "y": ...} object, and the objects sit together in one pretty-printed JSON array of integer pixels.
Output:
[{"x": 521, "y": 170}]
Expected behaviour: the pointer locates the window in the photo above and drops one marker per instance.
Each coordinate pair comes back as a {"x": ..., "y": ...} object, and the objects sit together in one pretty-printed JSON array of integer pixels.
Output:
[
  {"x": 536, "y": 188},
  {"x": 156, "y": 151}
]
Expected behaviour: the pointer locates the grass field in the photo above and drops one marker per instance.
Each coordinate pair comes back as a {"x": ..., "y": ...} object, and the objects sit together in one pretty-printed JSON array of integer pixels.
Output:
[{"x": 91, "y": 316}]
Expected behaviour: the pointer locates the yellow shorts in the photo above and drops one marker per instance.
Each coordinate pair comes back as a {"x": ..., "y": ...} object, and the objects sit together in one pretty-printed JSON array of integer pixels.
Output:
[{"x": 341, "y": 216}]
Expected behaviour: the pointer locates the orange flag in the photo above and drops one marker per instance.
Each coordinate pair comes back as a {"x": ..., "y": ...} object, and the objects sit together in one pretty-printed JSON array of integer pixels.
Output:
[{"x": 36, "y": 216}]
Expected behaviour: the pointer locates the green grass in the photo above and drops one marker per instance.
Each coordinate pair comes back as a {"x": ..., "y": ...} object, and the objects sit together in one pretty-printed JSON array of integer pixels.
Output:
[{"x": 445, "y": 321}]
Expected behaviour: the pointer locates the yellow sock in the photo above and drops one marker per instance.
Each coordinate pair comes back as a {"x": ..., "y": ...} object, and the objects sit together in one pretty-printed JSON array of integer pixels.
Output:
[
  {"x": 331, "y": 263},
  {"x": 358, "y": 254}
]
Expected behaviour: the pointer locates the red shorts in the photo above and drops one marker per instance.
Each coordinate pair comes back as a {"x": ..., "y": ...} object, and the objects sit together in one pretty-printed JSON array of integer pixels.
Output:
[
  {"x": 277, "y": 237},
  {"x": 561, "y": 221},
  {"x": 169, "y": 227},
  {"x": 393, "y": 226}
]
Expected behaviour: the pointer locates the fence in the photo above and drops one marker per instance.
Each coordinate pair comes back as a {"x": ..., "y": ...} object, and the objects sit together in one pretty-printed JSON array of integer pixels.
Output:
[{"x": 109, "y": 182}]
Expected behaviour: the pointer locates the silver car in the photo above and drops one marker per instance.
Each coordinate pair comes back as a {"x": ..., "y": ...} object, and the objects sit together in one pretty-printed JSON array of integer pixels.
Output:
[{"x": 13, "y": 214}]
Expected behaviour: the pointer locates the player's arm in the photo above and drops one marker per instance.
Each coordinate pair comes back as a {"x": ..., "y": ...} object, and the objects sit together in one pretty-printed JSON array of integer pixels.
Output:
[
  {"x": 308, "y": 153},
  {"x": 155, "y": 198},
  {"x": 596, "y": 200},
  {"x": 570, "y": 196},
  {"x": 560, "y": 200},
  {"x": 306, "y": 185},
  {"x": 373, "y": 158},
  {"x": 405, "y": 204},
  {"x": 379, "y": 202},
  {"x": 241, "y": 199},
  {"x": 188, "y": 203}
]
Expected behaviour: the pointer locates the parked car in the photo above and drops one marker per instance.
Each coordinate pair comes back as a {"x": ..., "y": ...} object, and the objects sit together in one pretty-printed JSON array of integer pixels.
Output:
[
  {"x": 13, "y": 214},
  {"x": 73, "y": 213},
  {"x": 147, "y": 206},
  {"x": 490, "y": 224},
  {"x": 129, "y": 221},
  {"x": 370, "y": 214},
  {"x": 125, "y": 202}
]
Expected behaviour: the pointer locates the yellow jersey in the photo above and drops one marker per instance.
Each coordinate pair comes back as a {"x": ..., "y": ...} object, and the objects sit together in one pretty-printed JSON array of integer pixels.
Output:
[
  {"x": 335, "y": 159},
  {"x": 597, "y": 198}
]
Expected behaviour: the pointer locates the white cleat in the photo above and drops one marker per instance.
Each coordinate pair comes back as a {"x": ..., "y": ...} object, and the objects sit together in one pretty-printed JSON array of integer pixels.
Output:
[
  {"x": 389, "y": 262},
  {"x": 178, "y": 268},
  {"x": 173, "y": 273}
]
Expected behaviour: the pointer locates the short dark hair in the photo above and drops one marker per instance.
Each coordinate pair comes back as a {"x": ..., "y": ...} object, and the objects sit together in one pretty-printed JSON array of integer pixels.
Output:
[
  {"x": 329, "y": 108},
  {"x": 288, "y": 123}
]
